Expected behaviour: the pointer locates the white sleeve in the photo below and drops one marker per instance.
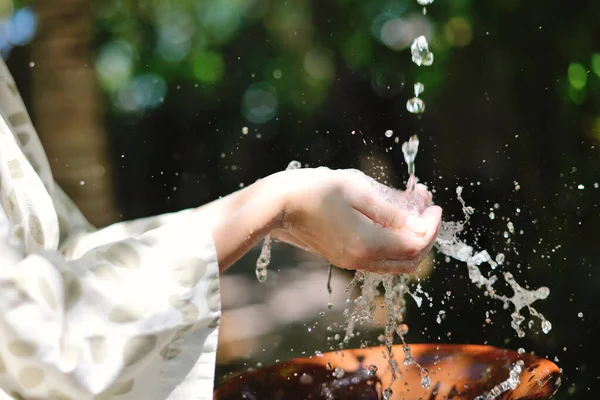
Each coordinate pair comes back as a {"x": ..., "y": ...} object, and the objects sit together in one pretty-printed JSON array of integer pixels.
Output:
[
  {"x": 93, "y": 324},
  {"x": 78, "y": 242}
]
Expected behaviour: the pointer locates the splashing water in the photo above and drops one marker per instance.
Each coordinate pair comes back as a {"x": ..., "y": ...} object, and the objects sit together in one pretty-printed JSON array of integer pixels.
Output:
[
  {"x": 448, "y": 244},
  {"x": 396, "y": 287},
  {"x": 264, "y": 259},
  {"x": 420, "y": 52},
  {"x": 510, "y": 384}
]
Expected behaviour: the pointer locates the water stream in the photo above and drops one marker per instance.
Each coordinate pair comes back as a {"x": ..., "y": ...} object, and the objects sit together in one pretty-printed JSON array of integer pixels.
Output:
[{"x": 361, "y": 310}]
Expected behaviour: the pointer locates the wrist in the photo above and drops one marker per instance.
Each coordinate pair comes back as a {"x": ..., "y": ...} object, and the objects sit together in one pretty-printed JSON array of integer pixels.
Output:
[
  {"x": 240, "y": 220},
  {"x": 274, "y": 198}
]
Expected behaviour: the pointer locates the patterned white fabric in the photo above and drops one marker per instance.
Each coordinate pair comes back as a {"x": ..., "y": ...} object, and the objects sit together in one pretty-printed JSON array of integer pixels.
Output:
[{"x": 127, "y": 312}]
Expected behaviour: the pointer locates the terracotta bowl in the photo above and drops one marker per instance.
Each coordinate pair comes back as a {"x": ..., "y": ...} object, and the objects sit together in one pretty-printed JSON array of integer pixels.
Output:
[{"x": 456, "y": 371}]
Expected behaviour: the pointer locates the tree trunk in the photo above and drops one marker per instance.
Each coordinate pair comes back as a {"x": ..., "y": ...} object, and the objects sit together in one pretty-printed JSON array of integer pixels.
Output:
[{"x": 67, "y": 106}]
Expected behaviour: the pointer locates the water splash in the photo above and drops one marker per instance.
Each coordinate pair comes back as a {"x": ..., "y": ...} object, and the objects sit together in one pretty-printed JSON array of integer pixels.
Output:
[
  {"x": 510, "y": 384},
  {"x": 264, "y": 259},
  {"x": 420, "y": 52},
  {"x": 448, "y": 244},
  {"x": 361, "y": 310}
]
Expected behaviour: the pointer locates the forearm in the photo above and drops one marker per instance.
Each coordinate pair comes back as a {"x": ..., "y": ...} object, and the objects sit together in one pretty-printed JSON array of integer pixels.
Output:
[{"x": 240, "y": 220}]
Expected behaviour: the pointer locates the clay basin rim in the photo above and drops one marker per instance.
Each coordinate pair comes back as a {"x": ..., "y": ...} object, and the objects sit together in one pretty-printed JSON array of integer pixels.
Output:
[{"x": 457, "y": 372}]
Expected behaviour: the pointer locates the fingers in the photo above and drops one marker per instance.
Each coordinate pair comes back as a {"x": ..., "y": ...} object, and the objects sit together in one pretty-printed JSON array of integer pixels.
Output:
[
  {"x": 376, "y": 208},
  {"x": 397, "y": 250}
]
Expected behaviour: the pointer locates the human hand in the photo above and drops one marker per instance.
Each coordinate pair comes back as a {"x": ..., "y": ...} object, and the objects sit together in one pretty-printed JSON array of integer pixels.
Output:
[{"x": 355, "y": 222}]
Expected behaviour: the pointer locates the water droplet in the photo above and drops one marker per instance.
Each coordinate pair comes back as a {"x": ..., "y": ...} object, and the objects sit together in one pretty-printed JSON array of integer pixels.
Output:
[
  {"x": 32, "y": 64},
  {"x": 546, "y": 326},
  {"x": 328, "y": 366},
  {"x": 402, "y": 329},
  {"x": 389, "y": 133},
  {"x": 338, "y": 372},
  {"x": 424, "y": 2},
  {"x": 372, "y": 370},
  {"x": 294, "y": 165},
  {"x": 387, "y": 394},
  {"x": 580, "y": 315},
  {"x": 419, "y": 88},
  {"x": 580, "y": 187},
  {"x": 521, "y": 350},
  {"x": 245, "y": 130},
  {"x": 492, "y": 215},
  {"x": 415, "y": 105},
  {"x": 500, "y": 258},
  {"x": 330, "y": 305},
  {"x": 306, "y": 379},
  {"x": 420, "y": 52},
  {"x": 425, "y": 379},
  {"x": 261, "y": 274},
  {"x": 511, "y": 227}
]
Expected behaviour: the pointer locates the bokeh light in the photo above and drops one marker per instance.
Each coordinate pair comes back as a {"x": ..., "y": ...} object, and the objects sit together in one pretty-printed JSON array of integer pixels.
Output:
[
  {"x": 259, "y": 103},
  {"x": 458, "y": 32},
  {"x": 398, "y": 33},
  {"x": 596, "y": 64},
  {"x": 209, "y": 67},
  {"x": 577, "y": 76},
  {"x": 114, "y": 64},
  {"x": 142, "y": 92},
  {"x": 16, "y": 29},
  {"x": 175, "y": 29},
  {"x": 222, "y": 18},
  {"x": 319, "y": 63}
]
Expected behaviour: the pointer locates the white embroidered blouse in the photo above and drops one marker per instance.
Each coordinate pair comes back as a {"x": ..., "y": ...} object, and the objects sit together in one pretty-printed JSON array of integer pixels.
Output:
[{"x": 127, "y": 312}]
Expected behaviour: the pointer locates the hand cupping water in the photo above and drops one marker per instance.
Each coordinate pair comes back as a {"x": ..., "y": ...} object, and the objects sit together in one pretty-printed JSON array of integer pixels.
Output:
[{"x": 355, "y": 222}]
